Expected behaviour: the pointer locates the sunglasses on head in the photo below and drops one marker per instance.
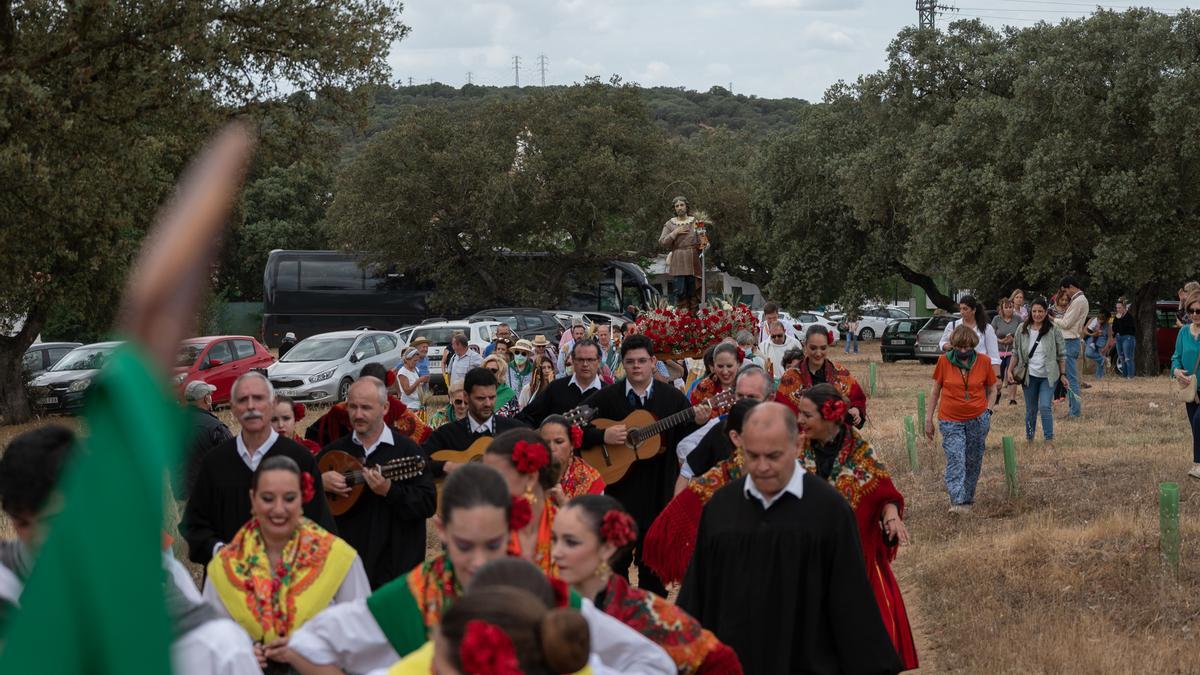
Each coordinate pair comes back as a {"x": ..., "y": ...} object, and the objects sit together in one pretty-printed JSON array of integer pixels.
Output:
[{"x": 493, "y": 370}]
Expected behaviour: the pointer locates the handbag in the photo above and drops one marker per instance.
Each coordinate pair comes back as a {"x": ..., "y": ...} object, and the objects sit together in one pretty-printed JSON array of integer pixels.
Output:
[
  {"x": 1017, "y": 370},
  {"x": 1186, "y": 392}
]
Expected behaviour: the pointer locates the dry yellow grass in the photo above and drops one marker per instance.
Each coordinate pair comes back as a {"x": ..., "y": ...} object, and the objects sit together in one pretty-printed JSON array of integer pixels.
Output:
[{"x": 1065, "y": 578}]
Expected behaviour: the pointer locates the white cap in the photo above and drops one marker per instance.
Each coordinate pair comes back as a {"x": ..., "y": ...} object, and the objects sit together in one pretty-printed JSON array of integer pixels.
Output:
[{"x": 196, "y": 390}]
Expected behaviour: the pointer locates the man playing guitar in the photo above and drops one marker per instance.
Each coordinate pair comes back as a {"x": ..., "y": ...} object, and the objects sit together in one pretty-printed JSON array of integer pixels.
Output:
[{"x": 479, "y": 386}]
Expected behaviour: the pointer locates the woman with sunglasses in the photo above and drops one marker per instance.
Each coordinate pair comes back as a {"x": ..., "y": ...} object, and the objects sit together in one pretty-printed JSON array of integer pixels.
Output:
[
  {"x": 506, "y": 398},
  {"x": 455, "y": 410},
  {"x": 1183, "y": 368},
  {"x": 816, "y": 368}
]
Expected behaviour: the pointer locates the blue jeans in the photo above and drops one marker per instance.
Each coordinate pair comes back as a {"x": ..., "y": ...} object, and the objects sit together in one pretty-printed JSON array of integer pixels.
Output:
[
  {"x": 1072, "y": 354},
  {"x": 963, "y": 443},
  {"x": 1194, "y": 423},
  {"x": 1039, "y": 397},
  {"x": 1125, "y": 347},
  {"x": 1093, "y": 353},
  {"x": 851, "y": 338}
]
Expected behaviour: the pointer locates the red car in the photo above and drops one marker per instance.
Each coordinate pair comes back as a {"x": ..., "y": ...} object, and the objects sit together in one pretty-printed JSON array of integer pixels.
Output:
[{"x": 219, "y": 360}]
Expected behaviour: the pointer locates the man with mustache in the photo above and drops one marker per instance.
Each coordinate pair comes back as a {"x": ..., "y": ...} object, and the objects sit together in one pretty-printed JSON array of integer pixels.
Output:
[{"x": 220, "y": 499}]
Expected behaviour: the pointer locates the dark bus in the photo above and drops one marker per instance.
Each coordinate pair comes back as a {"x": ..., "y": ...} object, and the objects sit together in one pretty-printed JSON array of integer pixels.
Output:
[{"x": 311, "y": 292}]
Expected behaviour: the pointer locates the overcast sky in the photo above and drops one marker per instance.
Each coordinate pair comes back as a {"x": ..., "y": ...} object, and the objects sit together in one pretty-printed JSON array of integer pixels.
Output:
[{"x": 771, "y": 48}]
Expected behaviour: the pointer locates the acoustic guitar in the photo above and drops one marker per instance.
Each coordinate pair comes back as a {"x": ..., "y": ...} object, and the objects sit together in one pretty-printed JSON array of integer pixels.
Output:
[
  {"x": 642, "y": 438},
  {"x": 352, "y": 470},
  {"x": 474, "y": 453}
]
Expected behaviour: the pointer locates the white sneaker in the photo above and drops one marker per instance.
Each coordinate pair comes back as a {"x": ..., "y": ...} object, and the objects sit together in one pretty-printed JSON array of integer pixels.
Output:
[
  {"x": 1195, "y": 472},
  {"x": 964, "y": 509}
]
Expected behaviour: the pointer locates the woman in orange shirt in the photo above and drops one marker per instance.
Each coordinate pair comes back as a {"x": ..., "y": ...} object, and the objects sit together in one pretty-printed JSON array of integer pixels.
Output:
[{"x": 963, "y": 384}]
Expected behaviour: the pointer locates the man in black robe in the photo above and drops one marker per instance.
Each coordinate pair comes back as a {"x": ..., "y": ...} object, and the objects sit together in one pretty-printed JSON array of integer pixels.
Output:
[
  {"x": 649, "y": 484},
  {"x": 565, "y": 393},
  {"x": 479, "y": 386},
  {"x": 778, "y": 572},
  {"x": 220, "y": 501},
  {"x": 387, "y": 523}
]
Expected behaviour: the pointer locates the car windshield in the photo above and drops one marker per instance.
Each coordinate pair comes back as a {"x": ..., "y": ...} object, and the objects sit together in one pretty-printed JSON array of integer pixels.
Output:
[
  {"x": 84, "y": 358},
  {"x": 439, "y": 336},
  {"x": 187, "y": 354},
  {"x": 319, "y": 349}
]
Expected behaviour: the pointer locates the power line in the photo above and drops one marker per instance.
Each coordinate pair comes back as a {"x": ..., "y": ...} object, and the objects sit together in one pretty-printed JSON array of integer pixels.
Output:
[
  {"x": 542, "y": 62},
  {"x": 517, "y": 70},
  {"x": 999, "y": 18}
]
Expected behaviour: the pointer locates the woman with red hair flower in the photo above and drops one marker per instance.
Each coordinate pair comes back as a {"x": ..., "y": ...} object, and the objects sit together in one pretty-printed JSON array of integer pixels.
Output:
[
  {"x": 591, "y": 532},
  {"x": 835, "y": 451},
  {"x": 578, "y": 477},
  {"x": 284, "y": 417},
  {"x": 816, "y": 368},
  {"x": 531, "y": 472},
  {"x": 727, "y": 359}
]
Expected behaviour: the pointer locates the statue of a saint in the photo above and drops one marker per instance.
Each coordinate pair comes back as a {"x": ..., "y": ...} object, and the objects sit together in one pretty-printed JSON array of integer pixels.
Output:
[{"x": 686, "y": 238}]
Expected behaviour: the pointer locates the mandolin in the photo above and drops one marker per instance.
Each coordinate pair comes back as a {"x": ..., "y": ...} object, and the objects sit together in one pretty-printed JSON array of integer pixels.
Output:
[
  {"x": 474, "y": 453},
  {"x": 352, "y": 470},
  {"x": 642, "y": 438}
]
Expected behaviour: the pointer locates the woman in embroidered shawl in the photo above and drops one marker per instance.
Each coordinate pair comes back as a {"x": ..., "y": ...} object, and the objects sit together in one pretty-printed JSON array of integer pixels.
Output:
[
  {"x": 726, "y": 361},
  {"x": 591, "y": 532},
  {"x": 815, "y": 368},
  {"x": 281, "y": 569},
  {"x": 578, "y": 477},
  {"x": 833, "y": 450},
  {"x": 531, "y": 472},
  {"x": 474, "y": 528}
]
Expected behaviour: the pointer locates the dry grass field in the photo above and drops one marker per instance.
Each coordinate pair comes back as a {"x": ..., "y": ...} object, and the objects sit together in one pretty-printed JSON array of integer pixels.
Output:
[{"x": 1065, "y": 578}]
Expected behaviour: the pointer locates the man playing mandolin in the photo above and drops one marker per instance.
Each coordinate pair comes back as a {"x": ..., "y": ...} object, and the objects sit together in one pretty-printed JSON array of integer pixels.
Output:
[
  {"x": 648, "y": 485},
  {"x": 387, "y": 524}
]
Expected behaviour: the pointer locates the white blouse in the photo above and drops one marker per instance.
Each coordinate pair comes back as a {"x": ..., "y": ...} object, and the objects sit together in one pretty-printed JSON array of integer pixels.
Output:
[{"x": 988, "y": 346}]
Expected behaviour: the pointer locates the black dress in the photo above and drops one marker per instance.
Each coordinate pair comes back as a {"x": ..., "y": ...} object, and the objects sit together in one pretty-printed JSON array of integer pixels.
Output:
[
  {"x": 786, "y": 587},
  {"x": 458, "y": 436},
  {"x": 220, "y": 499},
  {"x": 388, "y": 532},
  {"x": 650, "y": 483}
]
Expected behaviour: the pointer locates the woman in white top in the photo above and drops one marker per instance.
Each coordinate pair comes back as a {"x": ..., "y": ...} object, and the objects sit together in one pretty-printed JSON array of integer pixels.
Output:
[
  {"x": 409, "y": 380},
  {"x": 975, "y": 317}
]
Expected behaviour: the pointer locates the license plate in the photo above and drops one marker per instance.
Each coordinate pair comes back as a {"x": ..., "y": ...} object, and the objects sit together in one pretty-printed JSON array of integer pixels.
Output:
[
  {"x": 290, "y": 393},
  {"x": 897, "y": 342},
  {"x": 49, "y": 400},
  {"x": 928, "y": 348}
]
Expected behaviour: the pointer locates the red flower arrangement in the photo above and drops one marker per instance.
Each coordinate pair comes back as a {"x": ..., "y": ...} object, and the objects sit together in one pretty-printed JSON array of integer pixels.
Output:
[
  {"x": 679, "y": 332},
  {"x": 530, "y": 457},
  {"x": 520, "y": 512},
  {"x": 576, "y": 436},
  {"x": 307, "y": 488},
  {"x": 487, "y": 650},
  {"x": 618, "y": 528},
  {"x": 834, "y": 410}
]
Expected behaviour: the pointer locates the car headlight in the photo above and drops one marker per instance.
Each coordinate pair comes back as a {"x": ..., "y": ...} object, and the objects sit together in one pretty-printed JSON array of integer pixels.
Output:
[
  {"x": 79, "y": 385},
  {"x": 321, "y": 377}
]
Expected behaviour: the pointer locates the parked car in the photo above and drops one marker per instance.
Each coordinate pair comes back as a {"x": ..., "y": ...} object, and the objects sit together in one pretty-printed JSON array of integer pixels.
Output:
[
  {"x": 565, "y": 317},
  {"x": 321, "y": 368},
  {"x": 479, "y": 335},
  {"x": 1165, "y": 330},
  {"x": 219, "y": 360},
  {"x": 405, "y": 335},
  {"x": 927, "y": 349},
  {"x": 63, "y": 386},
  {"x": 872, "y": 320},
  {"x": 41, "y": 356},
  {"x": 899, "y": 339},
  {"x": 525, "y": 321},
  {"x": 803, "y": 320}
]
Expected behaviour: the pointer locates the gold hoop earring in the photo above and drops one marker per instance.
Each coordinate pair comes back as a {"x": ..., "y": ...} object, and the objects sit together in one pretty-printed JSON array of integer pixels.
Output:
[
  {"x": 530, "y": 497},
  {"x": 603, "y": 571}
]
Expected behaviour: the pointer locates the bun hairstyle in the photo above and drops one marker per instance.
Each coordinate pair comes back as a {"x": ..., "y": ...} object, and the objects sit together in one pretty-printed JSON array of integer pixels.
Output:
[
  {"x": 515, "y": 573},
  {"x": 276, "y": 463},
  {"x": 596, "y": 509},
  {"x": 546, "y": 641},
  {"x": 474, "y": 485},
  {"x": 727, "y": 348},
  {"x": 505, "y": 443},
  {"x": 824, "y": 393},
  {"x": 816, "y": 329}
]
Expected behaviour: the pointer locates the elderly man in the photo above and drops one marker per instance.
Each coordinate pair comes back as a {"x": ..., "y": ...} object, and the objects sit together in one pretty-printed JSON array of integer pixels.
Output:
[
  {"x": 387, "y": 523},
  {"x": 220, "y": 499},
  {"x": 565, "y": 393},
  {"x": 207, "y": 433},
  {"x": 578, "y": 332},
  {"x": 462, "y": 359},
  {"x": 610, "y": 355},
  {"x": 814, "y": 614},
  {"x": 701, "y": 451},
  {"x": 778, "y": 344}
]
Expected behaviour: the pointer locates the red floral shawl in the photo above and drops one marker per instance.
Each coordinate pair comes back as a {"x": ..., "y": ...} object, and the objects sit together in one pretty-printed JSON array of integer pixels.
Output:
[
  {"x": 796, "y": 380},
  {"x": 580, "y": 478}
]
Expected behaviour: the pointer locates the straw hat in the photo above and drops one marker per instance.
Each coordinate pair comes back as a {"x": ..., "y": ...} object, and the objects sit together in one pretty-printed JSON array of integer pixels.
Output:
[
  {"x": 524, "y": 346},
  {"x": 417, "y": 342},
  {"x": 540, "y": 341}
]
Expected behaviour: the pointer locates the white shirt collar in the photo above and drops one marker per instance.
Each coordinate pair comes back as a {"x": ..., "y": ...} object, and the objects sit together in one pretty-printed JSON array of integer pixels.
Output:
[
  {"x": 629, "y": 388},
  {"x": 385, "y": 437},
  {"x": 594, "y": 385},
  {"x": 794, "y": 486},
  {"x": 489, "y": 426},
  {"x": 254, "y": 461}
]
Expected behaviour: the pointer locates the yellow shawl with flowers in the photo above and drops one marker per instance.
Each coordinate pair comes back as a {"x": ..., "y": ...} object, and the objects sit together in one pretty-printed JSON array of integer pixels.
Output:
[{"x": 268, "y": 603}]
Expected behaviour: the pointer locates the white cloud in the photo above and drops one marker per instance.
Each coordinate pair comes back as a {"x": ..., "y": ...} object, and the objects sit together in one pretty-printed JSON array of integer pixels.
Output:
[
  {"x": 718, "y": 70},
  {"x": 828, "y": 36},
  {"x": 807, "y": 5},
  {"x": 655, "y": 73}
]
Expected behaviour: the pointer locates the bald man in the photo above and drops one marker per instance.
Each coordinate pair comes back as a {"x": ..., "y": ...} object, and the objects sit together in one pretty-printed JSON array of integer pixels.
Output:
[
  {"x": 387, "y": 523},
  {"x": 778, "y": 571}
]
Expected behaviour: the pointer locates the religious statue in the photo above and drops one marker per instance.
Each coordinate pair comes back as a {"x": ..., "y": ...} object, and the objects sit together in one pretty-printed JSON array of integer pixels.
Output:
[{"x": 686, "y": 236}]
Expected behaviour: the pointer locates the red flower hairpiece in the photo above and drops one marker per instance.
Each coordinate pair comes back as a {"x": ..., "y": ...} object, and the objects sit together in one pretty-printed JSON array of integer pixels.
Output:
[
  {"x": 390, "y": 378},
  {"x": 576, "y": 436},
  {"x": 298, "y": 411},
  {"x": 530, "y": 457},
  {"x": 520, "y": 512},
  {"x": 618, "y": 528},
  {"x": 307, "y": 488},
  {"x": 487, "y": 650},
  {"x": 834, "y": 410},
  {"x": 562, "y": 594},
  {"x": 741, "y": 355}
]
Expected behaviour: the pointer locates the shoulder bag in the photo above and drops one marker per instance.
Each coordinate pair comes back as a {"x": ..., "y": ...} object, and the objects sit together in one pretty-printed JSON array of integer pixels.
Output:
[
  {"x": 1186, "y": 391},
  {"x": 1017, "y": 371}
]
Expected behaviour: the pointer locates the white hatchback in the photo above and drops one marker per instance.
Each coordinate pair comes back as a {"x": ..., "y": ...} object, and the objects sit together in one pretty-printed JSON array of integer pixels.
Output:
[
  {"x": 479, "y": 336},
  {"x": 321, "y": 368}
]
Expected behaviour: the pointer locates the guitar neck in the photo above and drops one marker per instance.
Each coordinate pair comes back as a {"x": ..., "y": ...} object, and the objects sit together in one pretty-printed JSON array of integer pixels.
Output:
[{"x": 397, "y": 468}]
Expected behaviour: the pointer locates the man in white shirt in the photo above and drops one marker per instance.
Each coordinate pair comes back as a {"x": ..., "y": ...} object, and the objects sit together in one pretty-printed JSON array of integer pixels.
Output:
[
  {"x": 777, "y": 344},
  {"x": 463, "y": 358},
  {"x": 1071, "y": 324}
]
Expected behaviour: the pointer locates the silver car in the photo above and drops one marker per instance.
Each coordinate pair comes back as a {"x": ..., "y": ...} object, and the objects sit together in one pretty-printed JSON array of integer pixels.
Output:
[{"x": 322, "y": 367}]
